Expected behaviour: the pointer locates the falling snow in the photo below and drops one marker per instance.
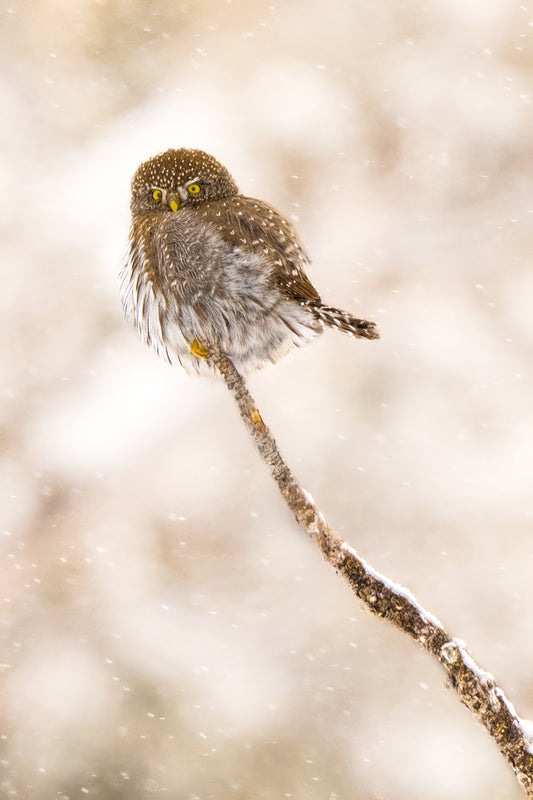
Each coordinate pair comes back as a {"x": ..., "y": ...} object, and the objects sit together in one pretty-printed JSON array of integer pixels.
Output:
[{"x": 167, "y": 630}]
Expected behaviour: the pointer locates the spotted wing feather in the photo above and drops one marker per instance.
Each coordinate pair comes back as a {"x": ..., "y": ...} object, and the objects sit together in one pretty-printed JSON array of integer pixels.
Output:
[{"x": 257, "y": 227}]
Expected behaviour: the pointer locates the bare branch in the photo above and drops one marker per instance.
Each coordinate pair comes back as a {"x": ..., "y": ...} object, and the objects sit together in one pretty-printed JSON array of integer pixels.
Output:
[{"x": 476, "y": 688}]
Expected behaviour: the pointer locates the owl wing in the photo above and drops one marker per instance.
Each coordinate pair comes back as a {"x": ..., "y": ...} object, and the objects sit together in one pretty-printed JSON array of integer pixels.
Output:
[{"x": 259, "y": 228}]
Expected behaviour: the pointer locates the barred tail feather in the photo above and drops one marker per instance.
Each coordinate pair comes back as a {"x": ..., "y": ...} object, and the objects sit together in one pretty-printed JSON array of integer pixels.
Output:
[{"x": 346, "y": 322}]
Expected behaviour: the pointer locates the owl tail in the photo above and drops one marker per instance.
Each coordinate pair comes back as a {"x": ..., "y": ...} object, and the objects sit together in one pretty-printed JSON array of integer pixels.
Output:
[{"x": 346, "y": 322}]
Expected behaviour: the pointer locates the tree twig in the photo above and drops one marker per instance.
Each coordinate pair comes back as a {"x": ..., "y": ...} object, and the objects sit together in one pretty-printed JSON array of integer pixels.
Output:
[{"x": 476, "y": 688}]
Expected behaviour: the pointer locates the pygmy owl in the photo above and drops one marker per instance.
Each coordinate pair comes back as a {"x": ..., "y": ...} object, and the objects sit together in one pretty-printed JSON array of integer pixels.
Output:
[{"x": 208, "y": 266}]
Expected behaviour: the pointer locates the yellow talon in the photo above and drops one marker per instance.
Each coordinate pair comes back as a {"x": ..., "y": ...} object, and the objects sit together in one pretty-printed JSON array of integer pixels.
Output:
[{"x": 197, "y": 349}]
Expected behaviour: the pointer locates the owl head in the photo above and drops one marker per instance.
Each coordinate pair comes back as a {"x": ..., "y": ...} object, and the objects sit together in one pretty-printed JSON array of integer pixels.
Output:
[{"x": 178, "y": 177}]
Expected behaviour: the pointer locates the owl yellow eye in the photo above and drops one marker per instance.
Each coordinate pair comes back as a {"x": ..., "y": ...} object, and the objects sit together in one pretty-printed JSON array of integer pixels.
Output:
[
  {"x": 157, "y": 194},
  {"x": 193, "y": 188}
]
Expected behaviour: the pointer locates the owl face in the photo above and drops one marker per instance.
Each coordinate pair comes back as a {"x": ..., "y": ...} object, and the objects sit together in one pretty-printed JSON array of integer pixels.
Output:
[{"x": 174, "y": 178}]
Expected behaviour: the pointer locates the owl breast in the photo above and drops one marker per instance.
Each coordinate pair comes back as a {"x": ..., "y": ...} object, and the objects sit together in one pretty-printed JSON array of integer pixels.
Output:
[{"x": 193, "y": 275}]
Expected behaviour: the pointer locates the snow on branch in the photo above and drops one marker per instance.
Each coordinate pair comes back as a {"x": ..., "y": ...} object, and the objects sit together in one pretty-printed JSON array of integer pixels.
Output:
[{"x": 476, "y": 688}]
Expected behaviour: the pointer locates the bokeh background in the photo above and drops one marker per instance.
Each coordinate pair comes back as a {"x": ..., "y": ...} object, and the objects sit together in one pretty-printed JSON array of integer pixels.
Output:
[{"x": 167, "y": 630}]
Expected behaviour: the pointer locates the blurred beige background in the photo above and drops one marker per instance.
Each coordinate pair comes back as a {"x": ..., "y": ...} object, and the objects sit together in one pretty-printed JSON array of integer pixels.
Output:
[{"x": 167, "y": 630}]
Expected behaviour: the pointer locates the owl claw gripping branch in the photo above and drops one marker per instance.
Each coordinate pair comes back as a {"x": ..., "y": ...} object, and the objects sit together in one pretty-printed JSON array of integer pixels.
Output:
[{"x": 209, "y": 267}]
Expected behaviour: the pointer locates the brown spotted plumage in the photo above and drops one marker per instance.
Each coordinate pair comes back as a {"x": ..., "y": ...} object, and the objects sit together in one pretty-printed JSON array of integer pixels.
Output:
[{"x": 208, "y": 266}]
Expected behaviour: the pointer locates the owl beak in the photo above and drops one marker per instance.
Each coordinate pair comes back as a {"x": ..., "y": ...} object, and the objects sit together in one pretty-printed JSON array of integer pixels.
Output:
[{"x": 174, "y": 201}]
